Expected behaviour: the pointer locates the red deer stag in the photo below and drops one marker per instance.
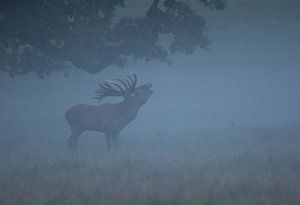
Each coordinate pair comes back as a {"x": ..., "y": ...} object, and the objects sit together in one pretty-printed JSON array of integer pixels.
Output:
[{"x": 108, "y": 118}]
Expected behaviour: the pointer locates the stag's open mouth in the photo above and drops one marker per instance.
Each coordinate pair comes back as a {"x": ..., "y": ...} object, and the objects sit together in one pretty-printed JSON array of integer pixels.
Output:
[
  {"x": 149, "y": 92},
  {"x": 146, "y": 94},
  {"x": 145, "y": 87},
  {"x": 149, "y": 85}
]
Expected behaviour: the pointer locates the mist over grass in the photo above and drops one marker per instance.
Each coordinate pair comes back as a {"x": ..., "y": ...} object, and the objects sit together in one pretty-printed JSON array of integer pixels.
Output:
[{"x": 251, "y": 166}]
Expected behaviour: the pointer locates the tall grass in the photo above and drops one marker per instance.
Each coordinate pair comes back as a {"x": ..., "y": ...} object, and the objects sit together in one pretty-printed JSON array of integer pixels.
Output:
[{"x": 258, "y": 166}]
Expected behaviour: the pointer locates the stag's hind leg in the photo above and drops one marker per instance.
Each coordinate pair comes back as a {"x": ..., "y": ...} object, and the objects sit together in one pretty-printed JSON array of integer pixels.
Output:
[
  {"x": 108, "y": 137},
  {"x": 72, "y": 141}
]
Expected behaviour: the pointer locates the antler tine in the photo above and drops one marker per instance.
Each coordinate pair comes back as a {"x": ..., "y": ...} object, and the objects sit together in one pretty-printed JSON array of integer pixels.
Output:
[
  {"x": 99, "y": 97},
  {"x": 105, "y": 89},
  {"x": 109, "y": 87},
  {"x": 113, "y": 91},
  {"x": 129, "y": 84},
  {"x": 117, "y": 85},
  {"x": 113, "y": 87},
  {"x": 100, "y": 92},
  {"x": 133, "y": 79},
  {"x": 123, "y": 83}
]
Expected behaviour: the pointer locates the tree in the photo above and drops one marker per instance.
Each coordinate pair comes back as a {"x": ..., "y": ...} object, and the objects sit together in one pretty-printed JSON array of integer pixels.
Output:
[{"x": 46, "y": 35}]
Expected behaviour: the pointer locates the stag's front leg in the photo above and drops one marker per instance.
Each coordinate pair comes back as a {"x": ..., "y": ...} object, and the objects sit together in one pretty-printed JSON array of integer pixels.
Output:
[
  {"x": 115, "y": 138},
  {"x": 72, "y": 141},
  {"x": 108, "y": 137}
]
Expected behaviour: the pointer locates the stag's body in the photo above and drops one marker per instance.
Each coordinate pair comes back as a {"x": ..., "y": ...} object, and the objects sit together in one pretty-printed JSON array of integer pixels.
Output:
[{"x": 107, "y": 118}]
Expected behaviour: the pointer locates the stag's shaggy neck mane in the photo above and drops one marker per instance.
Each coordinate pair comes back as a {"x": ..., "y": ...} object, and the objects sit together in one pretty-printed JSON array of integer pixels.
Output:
[{"x": 131, "y": 104}]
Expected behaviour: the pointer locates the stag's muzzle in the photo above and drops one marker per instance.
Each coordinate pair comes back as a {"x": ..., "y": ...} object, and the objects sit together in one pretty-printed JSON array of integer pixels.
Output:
[{"x": 144, "y": 87}]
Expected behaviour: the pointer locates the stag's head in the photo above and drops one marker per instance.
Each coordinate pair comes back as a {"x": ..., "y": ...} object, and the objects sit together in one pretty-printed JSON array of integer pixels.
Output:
[{"x": 125, "y": 88}]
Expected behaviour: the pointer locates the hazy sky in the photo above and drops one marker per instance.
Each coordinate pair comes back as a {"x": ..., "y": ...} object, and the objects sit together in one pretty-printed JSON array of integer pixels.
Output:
[{"x": 249, "y": 77}]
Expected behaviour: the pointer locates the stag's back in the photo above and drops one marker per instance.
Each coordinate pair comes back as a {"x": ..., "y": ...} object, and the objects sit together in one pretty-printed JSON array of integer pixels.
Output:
[{"x": 105, "y": 117}]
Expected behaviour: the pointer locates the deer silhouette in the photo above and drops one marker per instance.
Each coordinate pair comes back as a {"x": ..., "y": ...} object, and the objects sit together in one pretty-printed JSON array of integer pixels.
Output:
[{"x": 108, "y": 118}]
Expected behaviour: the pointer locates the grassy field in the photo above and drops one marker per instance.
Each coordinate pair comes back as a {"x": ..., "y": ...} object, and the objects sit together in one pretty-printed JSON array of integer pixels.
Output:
[{"x": 250, "y": 166}]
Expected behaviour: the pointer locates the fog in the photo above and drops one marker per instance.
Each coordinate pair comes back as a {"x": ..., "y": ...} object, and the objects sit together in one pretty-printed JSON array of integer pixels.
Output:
[{"x": 231, "y": 111}]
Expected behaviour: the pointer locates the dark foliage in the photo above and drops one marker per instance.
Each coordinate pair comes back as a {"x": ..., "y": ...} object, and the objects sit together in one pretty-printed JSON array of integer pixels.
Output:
[
  {"x": 214, "y": 4},
  {"x": 46, "y": 35}
]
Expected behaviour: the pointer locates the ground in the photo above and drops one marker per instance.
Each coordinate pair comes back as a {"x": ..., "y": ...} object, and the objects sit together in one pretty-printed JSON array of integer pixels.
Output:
[{"x": 252, "y": 166}]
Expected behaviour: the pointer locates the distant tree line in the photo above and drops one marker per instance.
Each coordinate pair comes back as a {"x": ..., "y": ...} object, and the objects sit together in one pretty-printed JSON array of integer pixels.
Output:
[{"x": 46, "y": 35}]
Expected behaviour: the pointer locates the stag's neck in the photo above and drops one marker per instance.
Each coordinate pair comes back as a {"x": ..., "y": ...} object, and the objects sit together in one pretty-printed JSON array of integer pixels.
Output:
[{"x": 130, "y": 105}]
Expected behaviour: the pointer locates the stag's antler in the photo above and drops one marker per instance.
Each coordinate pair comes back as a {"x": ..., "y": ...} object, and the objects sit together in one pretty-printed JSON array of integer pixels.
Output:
[{"x": 112, "y": 88}]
